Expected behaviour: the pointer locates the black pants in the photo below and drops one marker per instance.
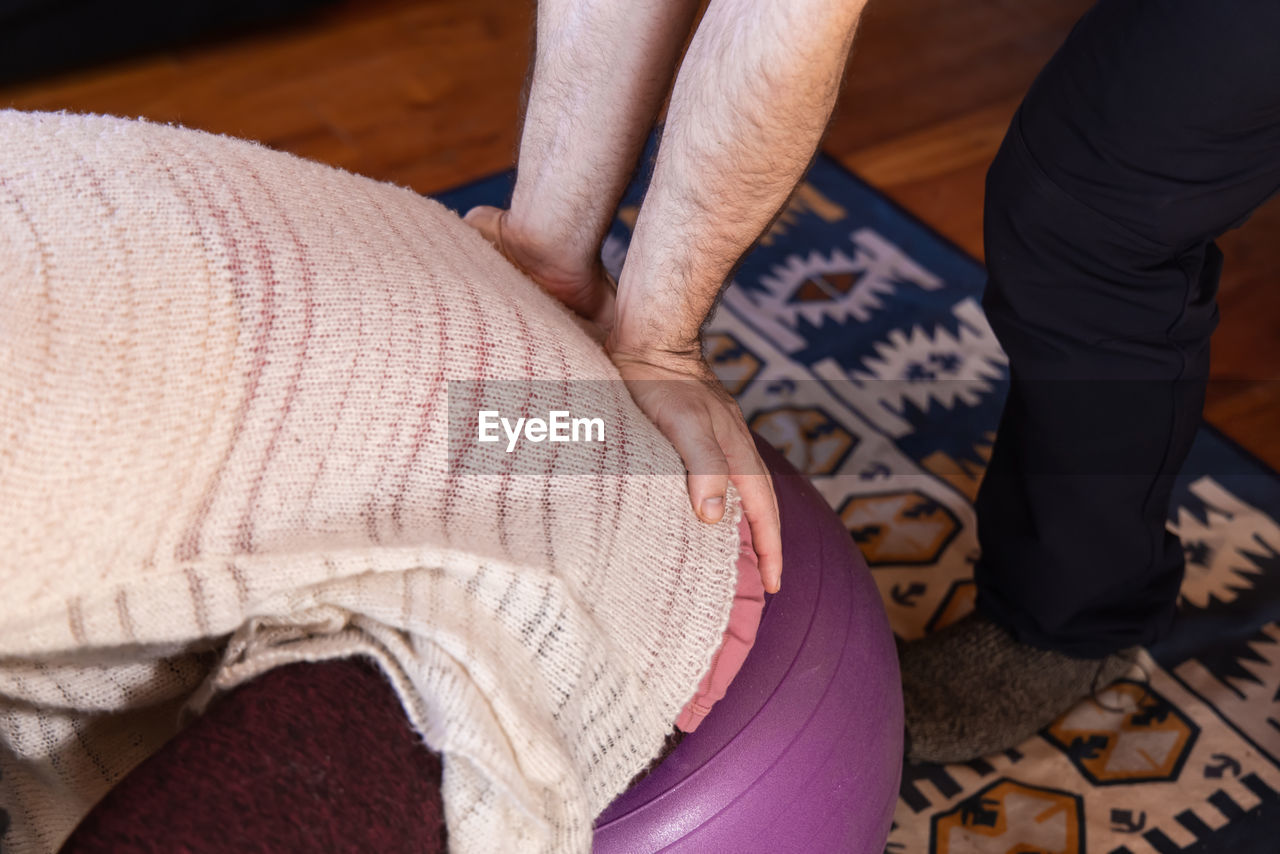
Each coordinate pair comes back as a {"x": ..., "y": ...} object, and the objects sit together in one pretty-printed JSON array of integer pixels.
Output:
[{"x": 1154, "y": 129}]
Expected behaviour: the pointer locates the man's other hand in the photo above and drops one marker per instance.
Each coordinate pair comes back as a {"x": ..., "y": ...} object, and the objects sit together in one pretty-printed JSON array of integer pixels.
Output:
[
  {"x": 584, "y": 286},
  {"x": 681, "y": 395}
]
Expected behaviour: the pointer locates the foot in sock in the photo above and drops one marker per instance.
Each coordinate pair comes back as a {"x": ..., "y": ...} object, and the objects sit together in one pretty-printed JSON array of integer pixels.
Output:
[{"x": 973, "y": 689}]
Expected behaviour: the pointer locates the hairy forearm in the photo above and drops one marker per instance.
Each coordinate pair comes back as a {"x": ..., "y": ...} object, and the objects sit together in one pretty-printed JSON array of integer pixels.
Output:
[
  {"x": 601, "y": 70},
  {"x": 753, "y": 96}
]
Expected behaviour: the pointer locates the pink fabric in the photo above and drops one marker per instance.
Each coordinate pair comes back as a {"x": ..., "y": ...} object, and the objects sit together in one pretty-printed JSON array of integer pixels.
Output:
[{"x": 744, "y": 620}]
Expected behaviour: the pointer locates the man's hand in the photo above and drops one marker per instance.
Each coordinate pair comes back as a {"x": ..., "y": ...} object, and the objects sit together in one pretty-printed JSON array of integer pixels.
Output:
[
  {"x": 755, "y": 90},
  {"x": 680, "y": 394},
  {"x": 677, "y": 392},
  {"x": 582, "y": 285}
]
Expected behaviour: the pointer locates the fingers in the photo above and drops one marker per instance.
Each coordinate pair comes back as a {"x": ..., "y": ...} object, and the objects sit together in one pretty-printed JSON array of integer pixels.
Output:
[
  {"x": 759, "y": 503},
  {"x": 486, "y": 220},
  {"x": 760, "y": 506},
  {"x": 694, "y": 437},
  {"x": 716, "y": 454}
]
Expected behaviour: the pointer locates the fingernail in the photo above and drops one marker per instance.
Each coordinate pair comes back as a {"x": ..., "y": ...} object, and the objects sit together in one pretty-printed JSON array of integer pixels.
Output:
[{"x": 713, "y": 508}]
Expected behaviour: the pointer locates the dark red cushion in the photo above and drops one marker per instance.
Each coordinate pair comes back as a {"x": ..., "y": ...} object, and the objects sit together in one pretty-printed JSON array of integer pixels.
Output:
[{"x": 307, "y": 757}]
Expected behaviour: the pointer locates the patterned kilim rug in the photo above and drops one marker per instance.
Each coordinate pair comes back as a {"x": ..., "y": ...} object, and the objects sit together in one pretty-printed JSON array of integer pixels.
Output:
[{"x": 854, "y": 341}]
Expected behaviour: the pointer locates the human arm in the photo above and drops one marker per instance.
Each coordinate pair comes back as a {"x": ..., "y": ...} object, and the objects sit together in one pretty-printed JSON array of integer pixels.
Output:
[
  {"x": 599, "y": 75},
  {"x": 753, "y": 96},
  {"x": 755, "y": 92}
]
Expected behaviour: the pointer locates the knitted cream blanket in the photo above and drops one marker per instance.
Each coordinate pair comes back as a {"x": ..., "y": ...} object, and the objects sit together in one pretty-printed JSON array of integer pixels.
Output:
[{"x": 227, "y": 377}]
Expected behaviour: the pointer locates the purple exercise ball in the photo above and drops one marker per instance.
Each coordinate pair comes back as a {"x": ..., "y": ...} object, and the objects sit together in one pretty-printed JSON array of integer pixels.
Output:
[{"x": 804, "y": 753}]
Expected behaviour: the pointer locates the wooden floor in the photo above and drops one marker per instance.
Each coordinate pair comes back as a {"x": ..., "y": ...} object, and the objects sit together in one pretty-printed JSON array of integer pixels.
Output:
[{"x": 426, "y": 93}]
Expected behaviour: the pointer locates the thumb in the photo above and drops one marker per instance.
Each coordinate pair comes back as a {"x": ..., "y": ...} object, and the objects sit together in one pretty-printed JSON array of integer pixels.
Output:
[{"x": 487, "y": 220}]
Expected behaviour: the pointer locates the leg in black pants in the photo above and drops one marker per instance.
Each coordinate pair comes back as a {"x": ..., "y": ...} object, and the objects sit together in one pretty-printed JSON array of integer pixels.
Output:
[{"x": 1154, "y": 129}]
